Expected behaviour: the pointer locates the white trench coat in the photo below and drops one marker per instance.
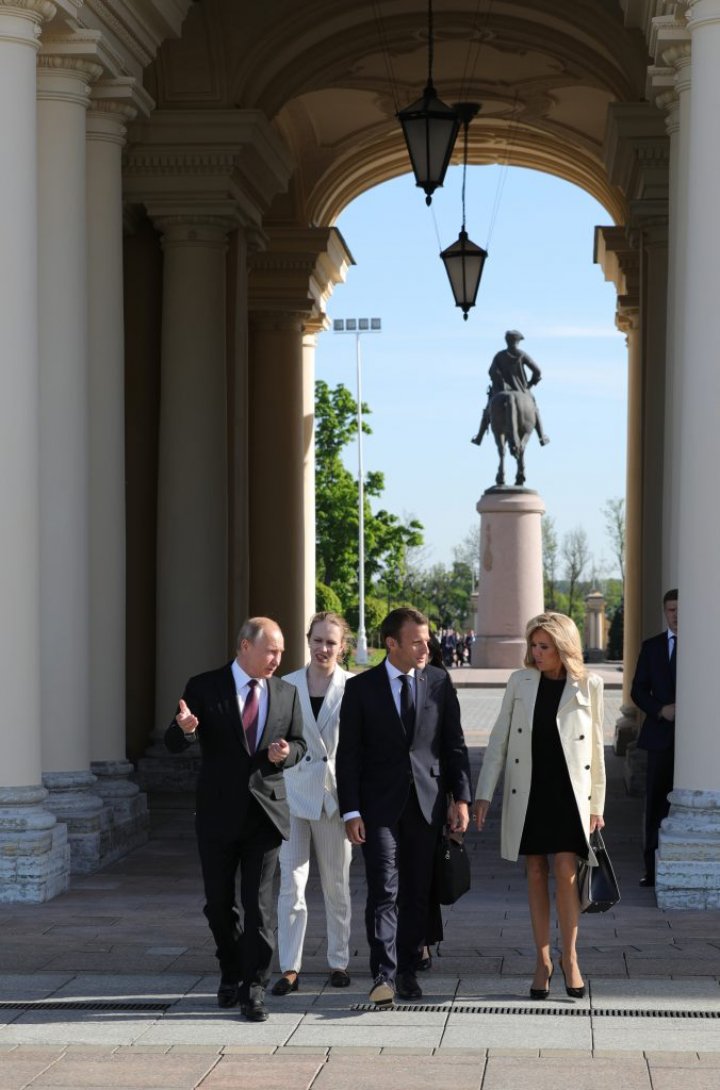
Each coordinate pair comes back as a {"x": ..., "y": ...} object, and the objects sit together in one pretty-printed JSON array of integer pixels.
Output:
[{"x": 580, "y": 726}]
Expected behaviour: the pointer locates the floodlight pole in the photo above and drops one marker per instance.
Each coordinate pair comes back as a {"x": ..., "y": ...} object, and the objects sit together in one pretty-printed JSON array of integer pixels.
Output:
[{"x": 361, "y": 651}]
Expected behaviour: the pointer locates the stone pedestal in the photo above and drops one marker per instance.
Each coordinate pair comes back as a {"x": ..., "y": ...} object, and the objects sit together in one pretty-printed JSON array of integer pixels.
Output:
[
  {"x": 71, "y": 800},
  {"x": 687, "y": 873},
  {"x": 34, "y": 849},
  {"x": 510, "y": 590},
  {"x": 125, "y": 805},
  {"x": 626, "y": 729}
]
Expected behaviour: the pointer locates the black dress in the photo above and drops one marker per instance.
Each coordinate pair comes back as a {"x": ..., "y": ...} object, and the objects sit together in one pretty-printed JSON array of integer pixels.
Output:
[{"x": 552, "y": 821}]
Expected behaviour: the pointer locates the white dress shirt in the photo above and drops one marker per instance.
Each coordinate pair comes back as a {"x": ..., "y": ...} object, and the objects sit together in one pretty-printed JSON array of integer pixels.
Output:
[{"x": 394, "y": 676}]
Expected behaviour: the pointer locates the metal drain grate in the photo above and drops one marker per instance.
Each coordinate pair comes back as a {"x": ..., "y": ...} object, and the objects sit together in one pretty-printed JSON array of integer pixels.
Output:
[
  {"x": 82, "y": 1005},
  {"x": 553, "y": 1012}
]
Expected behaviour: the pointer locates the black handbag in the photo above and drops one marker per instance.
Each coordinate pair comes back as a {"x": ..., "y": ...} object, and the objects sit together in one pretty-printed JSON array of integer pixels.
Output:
[
  {"x": 452, "y": 870},
  {"x": 598, "y": 887}
]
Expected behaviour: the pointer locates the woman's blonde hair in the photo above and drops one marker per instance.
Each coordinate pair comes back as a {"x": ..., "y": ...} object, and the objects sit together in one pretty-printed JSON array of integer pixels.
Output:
[{"x": 563, "y": 631}]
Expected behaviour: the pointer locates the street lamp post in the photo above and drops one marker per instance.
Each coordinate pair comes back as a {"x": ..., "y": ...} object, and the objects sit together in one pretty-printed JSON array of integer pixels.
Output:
[{"x": 359, "y": 326}]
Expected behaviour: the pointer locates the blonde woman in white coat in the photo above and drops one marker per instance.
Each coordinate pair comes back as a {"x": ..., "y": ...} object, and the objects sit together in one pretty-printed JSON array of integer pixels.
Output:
[
  {"x": 314, "y": 814},
  {"x": 548, "y": 740}
]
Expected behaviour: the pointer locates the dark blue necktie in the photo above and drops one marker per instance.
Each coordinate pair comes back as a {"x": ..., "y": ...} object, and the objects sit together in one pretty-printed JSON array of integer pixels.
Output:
[{"x": 407, "y": 707}]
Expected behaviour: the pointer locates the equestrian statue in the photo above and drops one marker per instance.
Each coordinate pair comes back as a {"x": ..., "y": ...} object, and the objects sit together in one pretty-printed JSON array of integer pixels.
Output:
[{"x": 511, "y": 410}]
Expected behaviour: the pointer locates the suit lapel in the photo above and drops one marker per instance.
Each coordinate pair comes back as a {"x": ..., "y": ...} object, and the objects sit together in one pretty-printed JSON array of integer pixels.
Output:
[
  {"x": 333, "y": 696},
  {"x": 420, "y": 699},
  {"x": 311, "y": 726},
  {"x": 230, "y": 701},
  {"x": 528, "y": 693},
  {"x": 572, "y": 693}
]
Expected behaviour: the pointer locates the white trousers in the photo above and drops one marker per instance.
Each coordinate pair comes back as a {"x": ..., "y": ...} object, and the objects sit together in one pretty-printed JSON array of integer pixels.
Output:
[{"x": 333, "y": 852}]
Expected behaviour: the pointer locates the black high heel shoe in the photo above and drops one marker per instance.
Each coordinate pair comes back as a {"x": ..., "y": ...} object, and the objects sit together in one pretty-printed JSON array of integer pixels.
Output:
[
  {"x": 574, "y": 993},
  {"x": 543, "y": 993}
]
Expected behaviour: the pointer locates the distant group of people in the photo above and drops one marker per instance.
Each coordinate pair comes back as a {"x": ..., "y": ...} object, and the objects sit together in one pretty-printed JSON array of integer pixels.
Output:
[
  {"x": 378, "y": 760},
  {"x": 456, "y": 647}
]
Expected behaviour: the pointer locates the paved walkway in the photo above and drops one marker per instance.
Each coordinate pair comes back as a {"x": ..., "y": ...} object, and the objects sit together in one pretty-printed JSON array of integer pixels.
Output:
[{"x": 80, "y": 977}]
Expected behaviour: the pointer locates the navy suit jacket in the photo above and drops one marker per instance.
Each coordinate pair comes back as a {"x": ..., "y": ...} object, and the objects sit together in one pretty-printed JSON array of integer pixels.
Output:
[
  {"x": 654, "y": 686},
  {"x": 375, "y": 766},
  {"x": 229, "y": 774}
]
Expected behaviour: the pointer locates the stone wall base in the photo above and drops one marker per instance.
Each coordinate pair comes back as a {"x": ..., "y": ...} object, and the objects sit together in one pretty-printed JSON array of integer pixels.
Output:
[
  {"x": 635, "y": 770},
  {"x": 125, "y": 818},
  {"x": 687, "y": 871},
  {"x": 168, "y": 772},
  {"x": 34, "y": 849}
]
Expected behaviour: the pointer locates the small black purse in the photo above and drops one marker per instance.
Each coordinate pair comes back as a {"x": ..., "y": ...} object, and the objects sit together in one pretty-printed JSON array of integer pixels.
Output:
[
  {"x": 598, "y": 887},
  {"x": 451, "y": 876}
]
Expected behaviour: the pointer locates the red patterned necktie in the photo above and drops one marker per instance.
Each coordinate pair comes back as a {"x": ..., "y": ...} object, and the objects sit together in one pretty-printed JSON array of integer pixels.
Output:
[{"x": 250, "y": 714}]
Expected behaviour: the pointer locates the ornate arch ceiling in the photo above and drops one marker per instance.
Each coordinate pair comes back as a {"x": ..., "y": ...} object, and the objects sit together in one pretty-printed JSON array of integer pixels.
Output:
[{"x": 331, "y": 74}]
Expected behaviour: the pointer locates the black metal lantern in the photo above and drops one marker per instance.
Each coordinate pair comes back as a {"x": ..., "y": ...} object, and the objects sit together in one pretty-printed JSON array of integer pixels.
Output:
[
  {"x": 430, "y": 128},
  {"x": 464, "y": 260}
]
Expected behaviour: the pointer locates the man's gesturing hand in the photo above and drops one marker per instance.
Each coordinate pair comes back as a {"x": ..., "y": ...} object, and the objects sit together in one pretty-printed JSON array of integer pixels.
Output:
[{"x": 185, "y": 719}]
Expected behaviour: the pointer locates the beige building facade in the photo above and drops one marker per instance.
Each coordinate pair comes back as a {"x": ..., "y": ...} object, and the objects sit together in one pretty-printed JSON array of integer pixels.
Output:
[{"x": 172, "y": 173}]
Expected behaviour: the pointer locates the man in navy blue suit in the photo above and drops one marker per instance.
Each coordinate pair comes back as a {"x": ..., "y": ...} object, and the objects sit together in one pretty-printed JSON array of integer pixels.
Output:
[
  {"x": 401, "y": 756},
  {"x": 653, "y": 690}
]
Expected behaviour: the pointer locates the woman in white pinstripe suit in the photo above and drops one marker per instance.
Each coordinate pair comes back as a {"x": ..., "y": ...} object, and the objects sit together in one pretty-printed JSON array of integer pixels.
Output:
[{"x": 314, "y": 814}]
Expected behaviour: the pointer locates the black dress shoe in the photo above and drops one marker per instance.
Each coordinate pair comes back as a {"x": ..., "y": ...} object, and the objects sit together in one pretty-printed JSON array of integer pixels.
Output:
[
  {"x": 254, "y": 1010},
  {"x": 339, "y": 978},
  {"x": 648, "y": 880},
  {"x": 227, "y": 994},
  {"x": 407, "y": 986},
  {"x": 285, "y": 985}
]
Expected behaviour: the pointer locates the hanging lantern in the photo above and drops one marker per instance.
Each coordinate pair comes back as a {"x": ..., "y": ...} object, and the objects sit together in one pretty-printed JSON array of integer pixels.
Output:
[
  {"x": 430, "y": 128},
  {"x": 464, "y": 260}
]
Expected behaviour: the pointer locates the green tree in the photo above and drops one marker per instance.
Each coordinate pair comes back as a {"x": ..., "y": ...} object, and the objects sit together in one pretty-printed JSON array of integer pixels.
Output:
[
  {"x": 576, "y": 554},
  {"x": 614, "y": 512},
  {"x": 326, "y": 600},
  {"x": 387, "y": 538},
  {"x": 549, "y": 560}
]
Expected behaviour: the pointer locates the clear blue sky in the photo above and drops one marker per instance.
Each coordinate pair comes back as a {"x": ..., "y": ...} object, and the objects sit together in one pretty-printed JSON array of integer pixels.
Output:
[{"x": 425, "y": 375}]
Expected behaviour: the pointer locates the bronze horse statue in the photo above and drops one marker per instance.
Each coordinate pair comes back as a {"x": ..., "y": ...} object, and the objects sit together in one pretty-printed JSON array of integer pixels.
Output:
[{"x": 513, "y": 418}]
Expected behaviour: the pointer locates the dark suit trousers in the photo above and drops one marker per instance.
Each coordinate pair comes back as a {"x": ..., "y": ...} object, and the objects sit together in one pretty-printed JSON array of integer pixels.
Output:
[
  {"x": 399, "y": 864},
  {"x": 659, "y": 784},
  {"x": 244, "y": 948}
]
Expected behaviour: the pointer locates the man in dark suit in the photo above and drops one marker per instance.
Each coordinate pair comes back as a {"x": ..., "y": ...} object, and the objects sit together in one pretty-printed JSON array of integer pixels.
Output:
[
  {"x": 401, "y": 755},
  {"x": 249, "y": 727},
  {"x": 653, "y": 690}
]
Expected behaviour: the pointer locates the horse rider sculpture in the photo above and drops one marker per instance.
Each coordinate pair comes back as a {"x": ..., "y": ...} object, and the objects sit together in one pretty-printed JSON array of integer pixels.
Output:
[{"x": 511, "y": 409}]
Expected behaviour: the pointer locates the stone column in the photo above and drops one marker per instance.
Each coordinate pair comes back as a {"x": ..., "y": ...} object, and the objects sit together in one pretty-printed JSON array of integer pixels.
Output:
[
  {"x": 200, "y": 174},
  {"x": 33, "y": 846},
  {"x": 688, "y": 862},
  {"x": 192, "y": 542},
  {"x": 111, "y": 107},
  {"x": 620, "y": 264},
  {"x": 669, "y": 83},
  {"x": 289, "y": 285},
  {"x": 308, "y": 354},
  {"x": 63, "y": 77},
  {"x": 276, "y": 486},
  {"x": 510, "y": 590}
]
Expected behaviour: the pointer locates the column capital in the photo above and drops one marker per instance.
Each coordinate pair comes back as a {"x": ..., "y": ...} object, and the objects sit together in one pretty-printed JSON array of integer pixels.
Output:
[
  {"x": 67, "y": 65},
  {"x": 194, "y": 229},
  {"x": 222, "y": 161},
  {"x": 702, "y": 13},
  {"x": 21, "y": 20},
  {"x": 113, "y": 102},
  {"x": 298, "y": 272},
  {"x": 637, "y": 150}
]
